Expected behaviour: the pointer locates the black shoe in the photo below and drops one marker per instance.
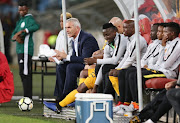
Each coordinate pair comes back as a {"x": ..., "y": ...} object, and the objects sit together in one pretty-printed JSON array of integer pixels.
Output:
[
  {"x": 57, "y": 100},
  {"x": 58, "y": 108}
]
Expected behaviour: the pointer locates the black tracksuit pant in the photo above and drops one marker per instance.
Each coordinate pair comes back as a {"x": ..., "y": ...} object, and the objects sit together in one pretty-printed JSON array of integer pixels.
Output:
[
  {"x": 156, "y": 108},
  {"x": 25, "y": 63},
  {"x": 128, "y": 82}
]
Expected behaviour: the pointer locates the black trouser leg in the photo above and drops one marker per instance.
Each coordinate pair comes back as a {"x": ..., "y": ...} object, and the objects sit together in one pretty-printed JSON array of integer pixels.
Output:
[
  {"x": 133, "y": 82},
  {"x": 122, "y": 86},
  {"x": 156, "y": 108},
  {"x": 26, "y": 78},
  {"x": 130, "y": 71},
  {"x": 173, "y": 96},
  {"x": 163, "y": 108},
  {"x": 108, "y": 88},
  {"x": 60, "y": 81}
]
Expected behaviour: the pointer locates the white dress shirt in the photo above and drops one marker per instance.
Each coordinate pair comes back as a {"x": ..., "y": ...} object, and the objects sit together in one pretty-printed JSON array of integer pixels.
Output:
[
  {"x": 75, "y": 47},
  {"x": 76, "y": 44}
]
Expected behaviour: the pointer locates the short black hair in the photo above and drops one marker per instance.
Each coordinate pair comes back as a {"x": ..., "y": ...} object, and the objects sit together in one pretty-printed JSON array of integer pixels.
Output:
[
  {"x": 129, "y": 22},
  {"x": 163, "y": 24},
  {"x": 174, "y": 27},
  {"x": 159, "y": 24},
  {"x": 156, "y": 25},
  {"x": 23, "y": 3},
  {"x": 109, "y": 25}
]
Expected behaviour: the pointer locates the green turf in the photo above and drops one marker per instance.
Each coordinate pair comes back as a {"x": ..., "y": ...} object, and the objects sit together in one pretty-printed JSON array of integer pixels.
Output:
[
  {"x": 49, "y": 83},
  {"x": 10, "y": 113},
  {"x": 21, "y": 119}
]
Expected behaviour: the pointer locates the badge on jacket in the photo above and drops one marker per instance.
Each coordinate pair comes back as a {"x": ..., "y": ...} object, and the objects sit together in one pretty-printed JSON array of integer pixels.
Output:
[{"x": 22, "y": 24}]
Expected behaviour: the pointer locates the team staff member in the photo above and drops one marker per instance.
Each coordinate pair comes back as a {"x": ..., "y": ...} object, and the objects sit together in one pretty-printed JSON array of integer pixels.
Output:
[
  {"x": 152, "y": 53},
  {"x": 113, "y": 52},
  {"x": 84, "y": 45},
  {"x": 168, "y": 61},
  {"x": 150, "y": 57},
  {"x": 117, "y": 22},
  {"x": 23, "y": 35},
  {"x": 169, "y": 57},
  {"x": 130, "y": 55}
]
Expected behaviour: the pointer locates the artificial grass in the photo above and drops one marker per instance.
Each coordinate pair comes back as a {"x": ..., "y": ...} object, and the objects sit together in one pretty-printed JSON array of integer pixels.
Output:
[
  {"x": 19, "y": 119},
  {"x": 49, "y": 83},
  {"x": 10, "y": 113}
]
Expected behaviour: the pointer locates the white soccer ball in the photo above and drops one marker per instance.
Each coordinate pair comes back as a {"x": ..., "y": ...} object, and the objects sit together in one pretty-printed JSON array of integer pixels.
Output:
[{"x": 25, "y": 104}]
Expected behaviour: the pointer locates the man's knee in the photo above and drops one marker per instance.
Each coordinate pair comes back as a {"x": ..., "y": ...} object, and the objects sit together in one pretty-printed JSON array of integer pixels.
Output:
[
  {"x": 60, "y": 68},
  {"x": 74, "y": 68},
  {"x": 84, "y": 73},
  {"x": 114, "y": 72},
  {"x": 173, "y": 93},
  {"x": 82, "y": 88},
  {"x": 92, "y": 66}
]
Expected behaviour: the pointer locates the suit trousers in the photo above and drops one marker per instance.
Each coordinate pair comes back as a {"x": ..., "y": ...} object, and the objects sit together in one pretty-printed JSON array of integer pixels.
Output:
[{"x": 66, "y": 78}]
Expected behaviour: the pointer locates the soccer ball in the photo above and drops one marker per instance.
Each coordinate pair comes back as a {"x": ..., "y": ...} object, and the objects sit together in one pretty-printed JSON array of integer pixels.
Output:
[{"x": 25, "y": 104}]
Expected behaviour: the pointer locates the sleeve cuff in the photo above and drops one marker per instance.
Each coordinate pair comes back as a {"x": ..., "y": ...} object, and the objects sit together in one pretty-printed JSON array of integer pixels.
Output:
[
  {"x": 178, "y": 84},
  {"x": 117, "y": 67},
  {"x": 27, "y": 31},
  {"x": 98, "y": 61},
  {"x": 67, "y": 58}
]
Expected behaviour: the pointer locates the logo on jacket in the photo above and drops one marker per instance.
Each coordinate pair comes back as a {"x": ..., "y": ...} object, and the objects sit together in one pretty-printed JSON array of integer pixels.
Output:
[
  {"x": 21, "y": 61},
  {"x": 22, "y": 24}
]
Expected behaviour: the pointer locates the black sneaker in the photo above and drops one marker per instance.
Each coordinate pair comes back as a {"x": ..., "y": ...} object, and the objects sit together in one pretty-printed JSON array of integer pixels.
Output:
[{"x": 58, "y": 108}]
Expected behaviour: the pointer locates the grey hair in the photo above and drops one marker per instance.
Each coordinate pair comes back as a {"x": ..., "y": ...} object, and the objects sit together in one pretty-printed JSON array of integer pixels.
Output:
[{"x": 75, "y": 21}]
